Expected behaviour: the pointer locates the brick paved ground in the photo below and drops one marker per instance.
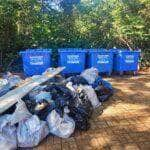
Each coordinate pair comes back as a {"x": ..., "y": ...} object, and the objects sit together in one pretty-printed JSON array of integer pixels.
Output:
[{"x": 123, "y": 125}]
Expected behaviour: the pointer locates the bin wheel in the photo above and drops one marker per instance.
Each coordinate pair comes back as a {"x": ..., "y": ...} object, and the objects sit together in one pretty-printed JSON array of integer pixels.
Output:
[
  {"x": 135, "y": 73},
  {"x": 109, "y": 74},
  {"x": 121, "y": 73}
]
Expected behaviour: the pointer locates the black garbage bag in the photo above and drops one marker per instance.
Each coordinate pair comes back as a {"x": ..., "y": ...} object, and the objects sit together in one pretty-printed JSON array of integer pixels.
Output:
[
  {"x": 97, "y": 82},
  {"x": 60, "y": 104},
  {"x": 61, "y": 96},
  {"x": 43, "y": 109},
  {"x": 55, "y": 80},
  {"x": 77, "y": 80},
  {"x": 81, "y": 120},
  {"x": 84, "y": 104},
  {"x": 103, "y": 89},
  {"x": 82, "y": 112},
  {"x": 9, "y": 110},
  {"x": 79, "y": 105},
  {"x": 103, "y": 93},
  {"x": 31, "y": 104}
]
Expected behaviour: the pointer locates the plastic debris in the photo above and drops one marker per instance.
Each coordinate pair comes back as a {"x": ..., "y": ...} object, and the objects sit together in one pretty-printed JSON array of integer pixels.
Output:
[
  {"x": 60, "y": 126},
  {"x": 31, "y": 132}
]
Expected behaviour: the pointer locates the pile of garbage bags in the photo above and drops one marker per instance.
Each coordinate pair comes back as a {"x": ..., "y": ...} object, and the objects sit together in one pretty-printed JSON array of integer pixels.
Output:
[{"x": 57, "y": 107}]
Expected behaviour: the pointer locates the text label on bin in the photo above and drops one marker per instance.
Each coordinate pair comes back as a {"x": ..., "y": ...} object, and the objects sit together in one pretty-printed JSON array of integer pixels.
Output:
[
  {"x": 103, "y": 59},
  {"x": 73, "y": 59},
  {"x": 129, "y": 58},
  {"x": 36, "y": 60}
]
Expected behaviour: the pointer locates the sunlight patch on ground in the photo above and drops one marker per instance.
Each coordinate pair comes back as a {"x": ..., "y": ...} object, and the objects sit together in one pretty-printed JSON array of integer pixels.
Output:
[
  {"x": 100, "y": 141},
  {"x": 121, "y": 108},
  {"x": 147, "y": 84}
]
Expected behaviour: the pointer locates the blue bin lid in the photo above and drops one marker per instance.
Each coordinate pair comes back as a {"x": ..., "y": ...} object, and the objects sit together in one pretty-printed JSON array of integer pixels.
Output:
[
  {"x": 114, "y": 50},
  {"x": 65, "y": 50},
  {"x": 127, "y": 51},
  {"x": 36, "y": 50},
  {"x": 98, "y": 50},
  {"x": 123, "y": 50}
]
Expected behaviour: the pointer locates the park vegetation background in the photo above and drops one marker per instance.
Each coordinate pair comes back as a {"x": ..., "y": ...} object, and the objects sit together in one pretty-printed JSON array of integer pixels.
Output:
[{"x": 74, "y": 23}]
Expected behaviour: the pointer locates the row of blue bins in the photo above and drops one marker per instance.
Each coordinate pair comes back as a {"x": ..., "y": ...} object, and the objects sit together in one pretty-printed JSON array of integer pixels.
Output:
[{"x": 36, "y": 61}]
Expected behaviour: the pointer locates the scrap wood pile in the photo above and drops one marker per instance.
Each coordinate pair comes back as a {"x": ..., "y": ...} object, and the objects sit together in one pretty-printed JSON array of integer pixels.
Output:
[{"x": 48, "y": 104}]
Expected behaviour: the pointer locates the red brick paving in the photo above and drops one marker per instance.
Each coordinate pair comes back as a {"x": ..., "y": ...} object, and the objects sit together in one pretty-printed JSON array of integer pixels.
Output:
[{"x": 123, "y": 125}]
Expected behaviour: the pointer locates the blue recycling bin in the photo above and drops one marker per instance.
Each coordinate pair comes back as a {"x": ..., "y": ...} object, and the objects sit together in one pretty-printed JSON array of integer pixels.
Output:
[
  {"x": 126, "y": 60},
  {"x": 101, "y": 59},
  {"x": 73, "y": 59},
  {"x": 36, "y": 61}
]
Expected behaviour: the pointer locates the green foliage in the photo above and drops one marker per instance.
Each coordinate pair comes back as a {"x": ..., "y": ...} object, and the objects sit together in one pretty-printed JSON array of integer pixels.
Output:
[
  {"x": 145, "y": 58},
  {"x": 97, "y": 23}
]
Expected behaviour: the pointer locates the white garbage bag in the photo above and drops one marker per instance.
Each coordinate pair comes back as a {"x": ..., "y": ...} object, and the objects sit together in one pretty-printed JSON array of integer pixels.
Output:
[
  {"x": 90, "y": 75},
  {"x": 31, "y": 132},
  {"x": 61, "y": 127},
  {"x": 20, "y": 113},
  {"x": 8, "y": 131},
  {"x": 91, "y": 95},
  {"x": 4, "y": 86},
  {"x": 8, "y": 137}
]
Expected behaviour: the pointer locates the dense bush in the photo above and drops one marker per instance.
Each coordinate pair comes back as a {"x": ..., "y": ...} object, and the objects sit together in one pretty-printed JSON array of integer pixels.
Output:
[
  {"x": 106, "y": 23},
  {"x": 145, "y": 58}
]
